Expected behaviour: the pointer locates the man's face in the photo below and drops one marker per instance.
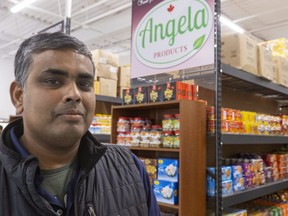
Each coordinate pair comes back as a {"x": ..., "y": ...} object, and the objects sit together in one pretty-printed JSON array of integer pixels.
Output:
[{"x": 58, "y": 97}]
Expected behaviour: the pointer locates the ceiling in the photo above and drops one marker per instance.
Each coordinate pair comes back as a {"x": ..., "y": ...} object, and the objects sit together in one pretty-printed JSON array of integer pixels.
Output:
[{"x": 106, "y": 24}]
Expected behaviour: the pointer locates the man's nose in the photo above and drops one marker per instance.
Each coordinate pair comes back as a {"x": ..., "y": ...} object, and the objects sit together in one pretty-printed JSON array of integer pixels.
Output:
[{"x": 72, "y": 93}]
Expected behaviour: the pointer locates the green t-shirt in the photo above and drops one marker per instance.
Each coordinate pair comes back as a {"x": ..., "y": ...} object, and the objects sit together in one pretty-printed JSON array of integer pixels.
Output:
[{"x": 56, "y": 180}]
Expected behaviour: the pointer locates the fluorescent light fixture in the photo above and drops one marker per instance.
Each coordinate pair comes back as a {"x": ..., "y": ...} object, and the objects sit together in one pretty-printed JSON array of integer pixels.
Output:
[
  {"x": 231, "y": 25},
  {"x": 21, "y": 5}
]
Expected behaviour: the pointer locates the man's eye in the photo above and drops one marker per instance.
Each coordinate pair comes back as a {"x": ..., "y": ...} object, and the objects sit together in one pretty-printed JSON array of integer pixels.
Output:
[
  {"x": 52, "y": 82},
  {"x": 86, "y": 84}
]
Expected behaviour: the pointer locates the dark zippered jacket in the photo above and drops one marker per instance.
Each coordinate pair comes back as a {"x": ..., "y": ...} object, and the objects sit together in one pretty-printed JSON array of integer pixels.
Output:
[{"x": 108, "y": 184}]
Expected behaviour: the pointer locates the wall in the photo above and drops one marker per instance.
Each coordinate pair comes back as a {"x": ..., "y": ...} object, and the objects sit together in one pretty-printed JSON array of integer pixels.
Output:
[{"x": 6, "y": 77}]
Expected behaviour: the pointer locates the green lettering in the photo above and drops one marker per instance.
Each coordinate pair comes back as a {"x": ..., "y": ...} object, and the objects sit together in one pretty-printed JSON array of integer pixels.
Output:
[
  {"x": 181, "y": 24},
  {"x": 199, "y": 20},
  {"x": 148, "y": 28},
  {"x": 190, "y": 28},
  {"x": 170, "y": 31},
  {"x": 158, "y": 28}
]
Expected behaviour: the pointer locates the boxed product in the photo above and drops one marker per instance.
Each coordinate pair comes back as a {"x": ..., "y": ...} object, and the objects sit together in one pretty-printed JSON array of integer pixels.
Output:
[
  {"x": 238, "y": 184},
  {"x": 108, "y": 87},
  {"x": 124, "y": 76},
  {"x": 151, "y": 167},
  {"x": 237, "y": 171},
  {"x": 226, "y": 172},
  {"x": 265, "y": 62},
  {"x": 234, "y": 212},
  {"x": 279, "y": 47},
  {"x": 168, "y": 169},
  {"x": 281, "y": 66},
  {"x": 107, "y": 71},
  {"x": 172, "y": 91},
  {"x": 240, "y": 51},
  {"x": 105, "y": 58},
  {"x": 140, "y": 95},
  {"x": 227, "y": 187},
  {"x": 155, "y": 93},
  {"x": 166, "y": 191},
  {"x": 128, "y": 96}
]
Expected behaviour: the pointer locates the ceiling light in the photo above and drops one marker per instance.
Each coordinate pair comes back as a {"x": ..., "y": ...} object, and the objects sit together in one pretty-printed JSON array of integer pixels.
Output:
[
  {"x": 231, "y": 25},
  {"x": 21, "y": 5}
]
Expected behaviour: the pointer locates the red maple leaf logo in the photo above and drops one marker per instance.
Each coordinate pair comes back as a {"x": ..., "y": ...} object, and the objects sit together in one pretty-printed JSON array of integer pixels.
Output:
[{"x": 170, "y": 8}]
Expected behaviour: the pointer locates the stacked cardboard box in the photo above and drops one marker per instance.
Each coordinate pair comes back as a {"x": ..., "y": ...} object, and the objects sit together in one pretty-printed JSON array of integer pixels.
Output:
[
  {"x": 107, "y": 65},
  {"x": 240, "y": 51},
  {"x": 124, "y": 77}
]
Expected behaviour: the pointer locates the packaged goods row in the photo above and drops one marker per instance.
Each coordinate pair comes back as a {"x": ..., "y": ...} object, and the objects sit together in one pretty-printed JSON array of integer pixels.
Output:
[
  {"x": 246, "y": 122},
  {"x": 101, "y": 124},
  {"x": 271, "y": 205},
  {"x": 164, "y": 176},
  {"x": 249, "y": 170},
  {"x": 160, "y": 92},
  {"x": 140, "y": 132},
  {"x": 266, "y": 59}
]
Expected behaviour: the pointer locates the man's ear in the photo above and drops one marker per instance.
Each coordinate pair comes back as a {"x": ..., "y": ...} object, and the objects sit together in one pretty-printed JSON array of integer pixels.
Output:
[{"x": 16, "y": 95}]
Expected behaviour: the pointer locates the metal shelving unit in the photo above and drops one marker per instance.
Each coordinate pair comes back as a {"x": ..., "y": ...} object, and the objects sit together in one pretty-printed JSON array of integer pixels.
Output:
[
  {"x": 109, "y": 99},
  {"x": 243, "y": 139},
  {"x": 254, "y": 193},
  {"x": 233, "y": 78}
]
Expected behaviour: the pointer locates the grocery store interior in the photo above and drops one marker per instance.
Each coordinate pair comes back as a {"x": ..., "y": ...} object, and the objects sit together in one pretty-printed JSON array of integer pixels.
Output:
[{"x": 223, "y": 138}]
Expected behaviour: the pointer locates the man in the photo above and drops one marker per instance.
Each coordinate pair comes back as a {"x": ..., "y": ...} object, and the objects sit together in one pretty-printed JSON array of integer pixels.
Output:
[{"x": 49, "y": 162}]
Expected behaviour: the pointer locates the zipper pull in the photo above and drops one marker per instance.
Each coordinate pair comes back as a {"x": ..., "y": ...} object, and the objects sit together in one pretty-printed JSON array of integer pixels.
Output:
[{"x": 91, "y": 210}]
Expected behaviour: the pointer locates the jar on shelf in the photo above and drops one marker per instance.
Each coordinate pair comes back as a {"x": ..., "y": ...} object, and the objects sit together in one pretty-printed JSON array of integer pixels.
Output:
[
  {"x": 135, "y": 135},
  {"x": 145, "y": 136},
  {"x": 176, "y": 122},
  {"x": 128, "y": 139},
  {"x": 167, "y": 122},
  {"x": 121, "y": 138},
  {"x": 123, "y": 124},
  {"x": 168, "y": 139},
  {"x": 156, "y": 135},
  {"x": 137, "y": 122},
  {"x": 176, "y": 140}
]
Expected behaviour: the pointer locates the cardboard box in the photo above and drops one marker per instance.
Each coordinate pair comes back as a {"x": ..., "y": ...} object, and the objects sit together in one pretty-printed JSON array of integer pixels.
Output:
[
  {"x": 155, "y": 93},
  {"x": 165, "y": 191},
  {"x": 105, "y": 57},
  {"x": 240, "y": 51},
  {"x": 128, "y": 96},
  {"x": 107, "y": 71},
  {"x": 150, "y": 166},
  {"x": 124, "y": 76},
  {"x": 108, "y": 87},
  {"x": 265, "y": 62},
  {"x": 140, "y": 95},
  {"x": 281, "y": 65},
  {"x": 168, "y": 169}
]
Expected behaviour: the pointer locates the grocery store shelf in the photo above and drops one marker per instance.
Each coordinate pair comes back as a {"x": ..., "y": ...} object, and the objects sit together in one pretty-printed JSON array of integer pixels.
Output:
[
  {"x": 104, "y": 138},
  {"x": 240, "y": 79},
  {"x": 230, "y": 139},
  {"x": 254, "y": 193},
  {"x": 170, "y": 206},
  {"x": 109, "y": 99},
  {"x": 154, "y": 149}
]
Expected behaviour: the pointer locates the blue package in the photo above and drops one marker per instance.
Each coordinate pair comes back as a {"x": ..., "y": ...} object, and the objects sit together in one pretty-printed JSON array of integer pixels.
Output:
[
  {"x": 166, "y": 191},
  {"x": 168, "y": 169}
]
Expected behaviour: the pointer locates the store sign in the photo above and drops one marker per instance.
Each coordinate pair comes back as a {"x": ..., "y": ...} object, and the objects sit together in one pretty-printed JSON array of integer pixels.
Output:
[{"x": 170, "y": 33}]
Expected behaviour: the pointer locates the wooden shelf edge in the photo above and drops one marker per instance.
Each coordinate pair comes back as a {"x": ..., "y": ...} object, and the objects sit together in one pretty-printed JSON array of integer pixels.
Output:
[
  {"x": 154, "y": 149},
  {"x": 168, "y": 205}
]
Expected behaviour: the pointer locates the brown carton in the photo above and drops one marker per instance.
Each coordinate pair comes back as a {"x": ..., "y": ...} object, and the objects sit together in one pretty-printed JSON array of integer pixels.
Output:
[
  {"x": 108, "y": 87},
  {"x": 124, "y": 76},
  {"x": 96, "y": 87},
  {"x": 281, "y": 66},
  {"x": 240, "y": 51},
  {"x": 107, "y": 71},
  {"x": 105, "y": 57},
  {"x": 265, "y": 62}
]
